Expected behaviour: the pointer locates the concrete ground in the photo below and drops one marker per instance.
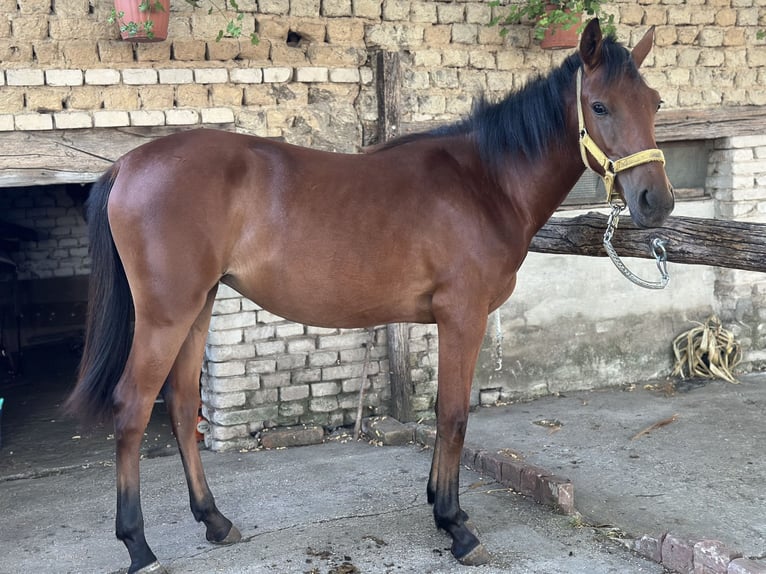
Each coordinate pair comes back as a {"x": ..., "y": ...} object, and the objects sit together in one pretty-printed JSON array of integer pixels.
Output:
[{"x": 344, "y": 507}]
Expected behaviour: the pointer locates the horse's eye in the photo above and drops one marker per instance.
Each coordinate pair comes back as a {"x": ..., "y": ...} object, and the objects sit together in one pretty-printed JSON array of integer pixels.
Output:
[{"x": 599, "y": 109}]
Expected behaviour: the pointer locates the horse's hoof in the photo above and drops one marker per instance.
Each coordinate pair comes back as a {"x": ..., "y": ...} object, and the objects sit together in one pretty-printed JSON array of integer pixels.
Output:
[
  {"x": 471, "y": 527},
  {"x": 233, "y": 536},
  {"x": 476, "y": 557},
  {"x": 153, "y": 568}
]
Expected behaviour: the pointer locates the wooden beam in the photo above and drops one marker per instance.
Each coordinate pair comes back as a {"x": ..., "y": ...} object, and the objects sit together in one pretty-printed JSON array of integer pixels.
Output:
[
  {"x": 707, "y": 124},
  {"x": 30, "y": 158},
  {"x": 388, "y": 85},
  {"x": 689, "y": 240}
]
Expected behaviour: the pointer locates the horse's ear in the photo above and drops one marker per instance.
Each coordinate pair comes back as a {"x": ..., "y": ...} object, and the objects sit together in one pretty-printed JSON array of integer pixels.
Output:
[
  {"x": 643, "y": 47},
  {"x": 590, "y": 45}
]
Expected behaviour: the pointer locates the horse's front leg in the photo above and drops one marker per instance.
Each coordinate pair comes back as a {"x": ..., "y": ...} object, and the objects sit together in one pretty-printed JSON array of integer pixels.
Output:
[{"x": 460, "y": 339}]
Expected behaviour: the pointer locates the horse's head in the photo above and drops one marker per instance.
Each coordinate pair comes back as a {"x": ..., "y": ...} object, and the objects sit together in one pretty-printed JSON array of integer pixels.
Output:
[{"x": 617, "y": 125}]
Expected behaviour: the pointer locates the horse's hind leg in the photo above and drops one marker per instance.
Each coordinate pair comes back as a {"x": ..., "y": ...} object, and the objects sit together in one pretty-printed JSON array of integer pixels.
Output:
[
  {"x": 151, "y": 356},
  {"x": 182, "y": 397}
]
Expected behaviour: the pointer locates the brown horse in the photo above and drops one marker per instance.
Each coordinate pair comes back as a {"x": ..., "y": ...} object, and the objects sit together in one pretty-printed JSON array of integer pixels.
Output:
[{"x": 453, "y": 211}]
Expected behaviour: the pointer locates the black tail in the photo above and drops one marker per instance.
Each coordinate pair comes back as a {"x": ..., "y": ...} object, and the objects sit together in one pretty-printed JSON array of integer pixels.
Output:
[{"x": 108, "y": 326}]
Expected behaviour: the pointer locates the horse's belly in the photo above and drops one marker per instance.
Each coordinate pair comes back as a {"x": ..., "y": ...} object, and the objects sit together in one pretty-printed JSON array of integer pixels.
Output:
[{"x": 335, "y": 299}]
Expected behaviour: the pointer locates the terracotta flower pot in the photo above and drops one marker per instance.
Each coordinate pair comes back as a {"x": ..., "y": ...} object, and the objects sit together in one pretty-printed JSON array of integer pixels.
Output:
[
  {"x": 142, "y": 20},
  {"x": 558, "y": 37}
]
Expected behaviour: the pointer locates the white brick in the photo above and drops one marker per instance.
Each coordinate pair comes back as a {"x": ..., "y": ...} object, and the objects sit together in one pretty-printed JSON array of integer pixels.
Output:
[
  {"x": 233, "y": 321},
  {"x": 226, "y": 369},
  {"x": 6, "y": 123},
  {"x": 147, "y": 118},
  {"x": 2, "y": 78},
  {"x": 110, "y": 118},
  {"x": 63, "y": 77},
  {"x": 311, "y": 74},
  {"x": 231, "y": 384},
  {"x": 747, "y": 141},
  {"x": 217, "y": 115},
  {"x": 324, "y": 389},
  {"x": 211, "y": 75},
  {"x": 181, "y": 117},
  {"x": 226, "y": 292},
  {"x": 72, "y": 120},
  {"x": 139, "y": 76},
  {"x": 277, "y": 75},
  {"x": 25, "y": 77},
  {"x": 176, "y": 76},
  {"x": 225, "y": 400},
  {"x": 226, "y": 337},
  {"x": 365, "y": 75},
  {"x": 344, "y": 75},
  {"x": 246, "y": 75},
  {"x": 34, "y": 122},
  {"x": 102, "y": 77},
  {"x": 294, "y": 392}
]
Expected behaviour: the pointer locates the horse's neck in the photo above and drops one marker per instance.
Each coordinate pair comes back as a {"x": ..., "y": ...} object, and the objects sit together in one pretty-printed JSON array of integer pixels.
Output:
[{"x": 536, "y": 189}]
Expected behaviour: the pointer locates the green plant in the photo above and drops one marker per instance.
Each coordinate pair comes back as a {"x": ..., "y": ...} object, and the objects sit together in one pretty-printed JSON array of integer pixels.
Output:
[
  {"x": 132, "y": 28},
  {"x": 550, "y": 13},
  {"x": 233, "y": 25}
]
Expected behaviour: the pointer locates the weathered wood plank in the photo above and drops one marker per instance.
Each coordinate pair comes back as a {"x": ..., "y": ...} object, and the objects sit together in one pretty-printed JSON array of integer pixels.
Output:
[
  {"x": 67, "y": 156},
  {"x": 690, "y": 240},
  {"x": 680, "y": 125}
]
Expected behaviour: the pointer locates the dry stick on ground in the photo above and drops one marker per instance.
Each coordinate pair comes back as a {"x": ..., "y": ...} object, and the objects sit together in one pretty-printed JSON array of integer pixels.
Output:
[
  {"x": 655, "y": 426},
  {"x": 360, "y": 405}
]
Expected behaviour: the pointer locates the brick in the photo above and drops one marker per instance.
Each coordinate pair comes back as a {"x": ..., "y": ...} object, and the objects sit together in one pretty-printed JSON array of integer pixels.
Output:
[
  {"x": 306, "y": 376},
  {"x": 189, "y": 50},
  {"x": 291, "y": 362},
  {"x": 275, "y": 380},
  {"x": 72, "y": 120},
  {"x": 274, "y": 6},
  {"x": 211, "y": 75},
  {"x": 557, "y": 492},
  {"x": 292, "y": 436},
  {"x": 346, "y": 340},
  {"x": 345, "y": 75},
  {"x": 649, "y": 547},
  {"x": 343, "y": 371},
  {"x": 370, "y": 9},
  {"x": 233, "y": 321},
  {"x": 265, "y": 348},
  {"x": 139, "y": 76},
  {"x": 226, "y": 369},
  {"x": 336, "y": 8},
  {"x": 677, "y": 554},
  {"x": 222, "y": 353},
  {"x": 323, "y": 404},
  {"x": 308, "y": 8},
  {"x": 102, "y": 77},
  {"x": 63, "y": 77},
  {"x": 324, "y": 389},
  {"x": 746, "y": 566},
  {"x": 277, "y": 75},
  {"x": 176, "y": 76},
  {"x": 229, "y": 418},
  {"x": 238, "y": 383},
  {"x": 30, "y": 122},
  {"x": 217, "y": 115},
  {"x": 450, "y": 13},
  {"x": 25, "y": 77},
  {"x": 294, "y": 392},
  {"x": 261, "y": 366},
  {"x": 388, "y": 430},
  {"x": 246, "y": 75},
  {"x": 311, "y": 74},
  {"x": 712, "y": 557},
  {"x": 6, "y": 122},
  {"x": 225, "y": 400}
]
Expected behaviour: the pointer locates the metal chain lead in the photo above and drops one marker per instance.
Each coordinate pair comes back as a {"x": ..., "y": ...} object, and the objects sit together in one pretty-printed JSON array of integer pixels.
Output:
[{"x": 657, "y": 249}]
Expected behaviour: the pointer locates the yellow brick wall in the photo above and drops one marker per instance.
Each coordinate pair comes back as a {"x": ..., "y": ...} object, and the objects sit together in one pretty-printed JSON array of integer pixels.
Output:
[{"x": 706, "y": 55}]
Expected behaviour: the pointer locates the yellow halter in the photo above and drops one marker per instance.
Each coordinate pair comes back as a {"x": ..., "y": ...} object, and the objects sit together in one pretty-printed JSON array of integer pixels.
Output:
[{"x": 611, "y": 168}]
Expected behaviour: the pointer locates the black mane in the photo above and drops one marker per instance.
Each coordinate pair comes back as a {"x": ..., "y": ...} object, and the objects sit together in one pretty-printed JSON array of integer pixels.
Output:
[{"x": 526, "y": 121}]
